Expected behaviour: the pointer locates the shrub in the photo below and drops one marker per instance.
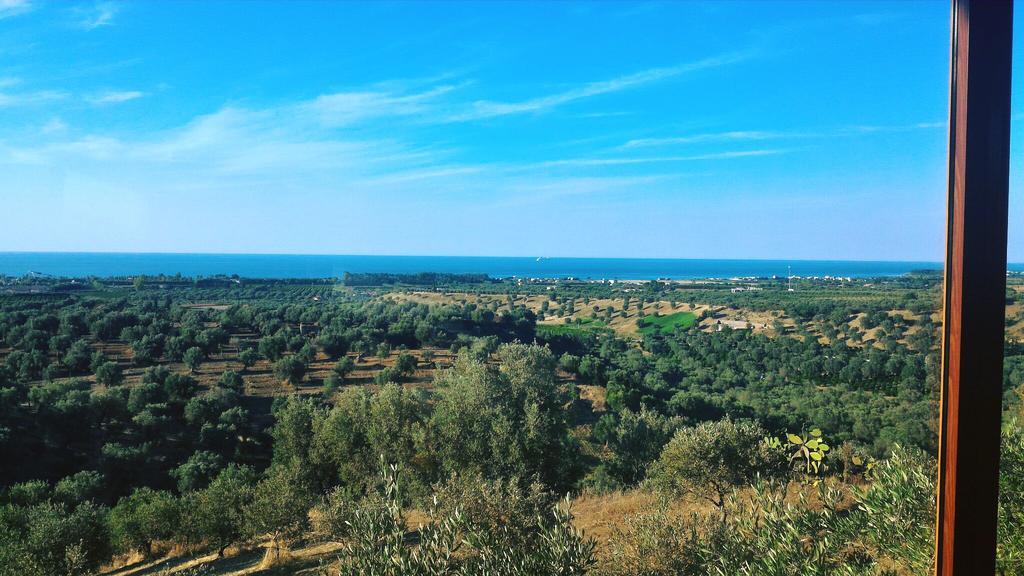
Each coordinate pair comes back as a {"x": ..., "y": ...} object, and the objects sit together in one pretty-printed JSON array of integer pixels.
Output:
[
  {"x": 290, "y": 369},
  {"x": 1011, "y": 501},
  {"x": 450, "y": 543},
  {"x": 216, "y": 513},
  {"x": 142, "y": 518},
  {"x": 109, "y": 374},
  {"x": 635, "y": 439},
  {"x": 280, "y": 506},
  {"x": 192, "y": 358},
  {"x": 197, "y": 472},
  {"x": 710, "y": 459},
  {"x": 654, "y": 543},
  {"x": 898, "y": 509},
  {"x": 331, "y": 518},
  {"x": 767, "y": 536},
  {"x": 248, "y": 358},
  {"x": 50, "y": 539},
  {"x": 391, "y": 374},
  {"x": 231, "y": 380},
  {"x": 506, "y": 507},
  {"x": 344, "y": 367},
  {"x": 79, "y": 487}
]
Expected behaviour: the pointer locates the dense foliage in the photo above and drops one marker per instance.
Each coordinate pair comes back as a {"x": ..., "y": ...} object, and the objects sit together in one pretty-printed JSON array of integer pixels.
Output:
[{"x": 128, "y": 413}]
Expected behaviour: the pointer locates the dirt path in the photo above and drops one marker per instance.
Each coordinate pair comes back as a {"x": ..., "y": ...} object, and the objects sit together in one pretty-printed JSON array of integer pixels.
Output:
[{"x": 243, "y": 563}]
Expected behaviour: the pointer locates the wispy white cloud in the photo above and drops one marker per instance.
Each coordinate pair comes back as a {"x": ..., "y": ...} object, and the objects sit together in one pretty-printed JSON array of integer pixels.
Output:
[
  {"x": 882, "y": 129},
  {"x": 313, "y": 146},
  {"x": 484, "y": 109},
  {"x": 96, "y": 16},
  {"x": 611, "y": 114},
  {"x": 263, "y": 144},
  {"x": 762, "y": 135},
  {"x": 734, "y": 136},
  {"x": 54, "y": 126},
  {"x": 659, "y": 159},
  {"x": 543, "y": 189},
  {"x": 9, "y": 8},
  {"x": 345, "y": 108},
  {"x": 115, "y": 97},
  {"x": 12, "y": 99},
  {"x": 434, "y": 173}
]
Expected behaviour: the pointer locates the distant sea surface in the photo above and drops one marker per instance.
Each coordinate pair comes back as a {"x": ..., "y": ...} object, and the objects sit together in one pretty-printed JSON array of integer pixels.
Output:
[{"x": 80, "y": 264}]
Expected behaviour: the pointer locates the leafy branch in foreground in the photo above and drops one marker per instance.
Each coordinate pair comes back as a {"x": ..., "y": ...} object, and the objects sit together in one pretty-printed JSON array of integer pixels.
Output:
[{"x": 376, "y": 541}]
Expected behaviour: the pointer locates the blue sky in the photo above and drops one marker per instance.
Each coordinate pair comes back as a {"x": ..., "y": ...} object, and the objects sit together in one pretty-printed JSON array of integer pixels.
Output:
[{"x": 700, "y": 130}]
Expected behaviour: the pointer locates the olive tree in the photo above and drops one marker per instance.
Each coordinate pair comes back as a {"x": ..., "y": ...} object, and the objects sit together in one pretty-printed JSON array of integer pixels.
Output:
[
  {"x": 280, "y": 506},
  {"x": 712, "y": 458}
]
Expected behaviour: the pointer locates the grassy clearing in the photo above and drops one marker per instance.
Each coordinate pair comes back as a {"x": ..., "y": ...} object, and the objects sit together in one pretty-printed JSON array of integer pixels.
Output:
[
  {"x": 668, "y": 323},
  {"x": 577, "y": 326}
]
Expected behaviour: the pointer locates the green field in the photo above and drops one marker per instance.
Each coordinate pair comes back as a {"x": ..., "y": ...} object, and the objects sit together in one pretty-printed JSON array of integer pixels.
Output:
[
  {"x": 583, "y": 325},
  {"x": 667, "y": 324}
]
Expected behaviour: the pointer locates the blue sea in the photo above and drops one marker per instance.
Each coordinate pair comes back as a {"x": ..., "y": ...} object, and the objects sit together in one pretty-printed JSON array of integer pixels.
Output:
[{"x": 82, "y": 264}]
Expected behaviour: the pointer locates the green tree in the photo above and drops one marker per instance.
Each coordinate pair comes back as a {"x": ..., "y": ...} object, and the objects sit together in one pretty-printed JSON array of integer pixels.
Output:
[
  {"x": 635, "y": 440},
  {"x": 231, "y": 380},
  {"x": 504, "y": 422},
  {"x": 49, "y": 539},
  {"x": 192, "y": 358},
  {"x": 344, "y": 367},
  {"x": 405, "y": 364},
  {"x": 295, "y": 422},
  {"x": 248, "y": 358},
  {"x": 142, "y": 518},
  {"x": 332, "y": 343},
  {"x": 83, "y": 486},
  {"x": 109, "y": 374},
  {"x": 290, "y": 369},
  {"x": 280, "y": 506},
  {"x": 78, "y": 356},
  {"x": 273, "y": 347},
  {"x": 710, "y": 459},
  {"x": 216, "y": 514},
  {"x": 197, "y": 472}
]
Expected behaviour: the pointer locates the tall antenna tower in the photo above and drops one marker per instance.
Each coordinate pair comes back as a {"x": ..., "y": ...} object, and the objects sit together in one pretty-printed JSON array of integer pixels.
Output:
[{"x": 790, "y": 277}]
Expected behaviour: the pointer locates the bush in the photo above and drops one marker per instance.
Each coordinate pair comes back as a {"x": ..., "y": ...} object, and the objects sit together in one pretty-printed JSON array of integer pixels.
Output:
[
  {"x": 344, "y": 367},
  {"x": 711, "y": 459},
  {"x": 142, "y": 518},
  {"x": 331, "y": 518},
  {"x": 452, "y": 543},
  {"x": 391, "y": 375},
  {"x": 231, "y": 380},
  {"x": 655, "y": 543},
  {"x": 248, "y": 358},
  {"x": 280, "y": 506},
  {"x": 635, "y": 439},
  {"x": 80, "y": 487},
  {"x": 290, "y": 369},
  {"x": 197, "y": 472},
  {"x": 898, "y": 509},
  {"x": 1011, "y": 501},
  {"x": 506, "y": 507},
  {"x": 109, "y": 374},
  {"x": 52, "y": 540},
  {"x": 217, "y": 513}
]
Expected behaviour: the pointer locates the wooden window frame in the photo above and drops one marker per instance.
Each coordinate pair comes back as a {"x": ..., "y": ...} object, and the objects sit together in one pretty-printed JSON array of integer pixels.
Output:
[{"x": 975, "y": 288}]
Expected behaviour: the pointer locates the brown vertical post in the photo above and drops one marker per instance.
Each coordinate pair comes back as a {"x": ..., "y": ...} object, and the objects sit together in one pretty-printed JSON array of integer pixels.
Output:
[{"x": 975, "y": 284}]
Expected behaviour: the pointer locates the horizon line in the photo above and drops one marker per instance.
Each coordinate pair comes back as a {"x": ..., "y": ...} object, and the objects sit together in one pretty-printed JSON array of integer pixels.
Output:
[{"x": 532, "y": 256}]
